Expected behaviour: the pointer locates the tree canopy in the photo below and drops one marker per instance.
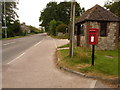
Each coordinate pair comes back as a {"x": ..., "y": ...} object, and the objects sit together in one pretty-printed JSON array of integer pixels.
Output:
[
  {"x": 52, "y": 27},
  {"x": 59, "y": 12},
  {"x": 34, "y": 29},
  {"x": 11, "y": 15},
  {"x": 114, "y": 7},
  {"x": 61, "y": 28},
  {"x": 12, "y": 22},
  {"x": 49, "y": 13}
]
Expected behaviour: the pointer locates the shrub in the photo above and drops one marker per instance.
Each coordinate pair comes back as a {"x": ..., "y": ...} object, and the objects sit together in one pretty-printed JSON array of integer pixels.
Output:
[
  {"x": 83, "y": 54},
  {"x": 84, "y": 57},
  {"x": 64, "y": 36},
  {"x": 61, "y": 28},
  {"x": 52, "y": 27},
  {"x": 13, "y": 30},
  {"x": 34, "y": 30}
]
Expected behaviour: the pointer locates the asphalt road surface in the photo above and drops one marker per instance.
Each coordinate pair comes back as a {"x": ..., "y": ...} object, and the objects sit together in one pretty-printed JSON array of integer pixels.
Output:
[
  {"x": 29, "y": 63},
  {"x": 15, "y": 47}
]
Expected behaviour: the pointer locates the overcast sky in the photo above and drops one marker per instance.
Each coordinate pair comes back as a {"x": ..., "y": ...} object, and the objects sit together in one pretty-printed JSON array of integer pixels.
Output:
[{"x": 29, "y": 10}]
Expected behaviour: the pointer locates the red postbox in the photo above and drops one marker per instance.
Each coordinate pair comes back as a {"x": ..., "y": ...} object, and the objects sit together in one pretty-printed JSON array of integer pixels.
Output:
[{"x": 93, "y": 36}]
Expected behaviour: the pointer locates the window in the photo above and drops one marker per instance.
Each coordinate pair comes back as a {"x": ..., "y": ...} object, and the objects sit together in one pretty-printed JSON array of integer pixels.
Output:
[
  {"x": 82, "y": 30},
  {"x": 103, "y": 29}
]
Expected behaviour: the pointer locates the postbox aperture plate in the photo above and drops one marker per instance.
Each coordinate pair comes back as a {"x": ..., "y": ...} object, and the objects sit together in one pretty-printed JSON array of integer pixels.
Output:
[{"x": 93, "y": 36}]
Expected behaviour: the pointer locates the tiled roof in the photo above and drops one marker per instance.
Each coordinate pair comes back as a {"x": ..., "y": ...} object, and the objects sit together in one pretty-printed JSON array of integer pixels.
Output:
[{"x": 98, "y": 13}]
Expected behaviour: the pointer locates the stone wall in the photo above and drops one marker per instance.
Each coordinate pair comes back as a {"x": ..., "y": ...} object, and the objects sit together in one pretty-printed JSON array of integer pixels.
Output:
[
  {"x": 104, "y": 43},
  {"x": 83, "y": 38},
  {"x": 112, "y": 35}
]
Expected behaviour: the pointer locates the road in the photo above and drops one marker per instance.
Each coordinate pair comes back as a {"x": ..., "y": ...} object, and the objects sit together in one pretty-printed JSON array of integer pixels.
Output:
[
  {"x": 31, "y": 65},
  {"x": 15, "y": 47}
]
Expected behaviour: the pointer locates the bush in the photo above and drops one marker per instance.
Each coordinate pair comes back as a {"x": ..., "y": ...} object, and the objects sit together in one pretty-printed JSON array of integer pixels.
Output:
[
  {"x": 13, "y": 30},
  {"x": 83, "y": 54},
  {"x": 84, "y": 57},
  {"x": 64, "y": 36},
  {"x": 52, "y": 26},
  {"x": 34, "y": 30},
  {"x": 61, "y": 28}
]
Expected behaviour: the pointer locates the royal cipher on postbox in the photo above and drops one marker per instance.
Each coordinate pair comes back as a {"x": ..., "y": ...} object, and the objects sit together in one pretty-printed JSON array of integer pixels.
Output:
[{"x": 93, "y": 36}]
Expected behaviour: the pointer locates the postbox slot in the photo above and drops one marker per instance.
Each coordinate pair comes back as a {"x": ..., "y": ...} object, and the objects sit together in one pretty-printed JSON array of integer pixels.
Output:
[
  {"x": 92, "y": 31},
  {"x": 93, "y": 36}
]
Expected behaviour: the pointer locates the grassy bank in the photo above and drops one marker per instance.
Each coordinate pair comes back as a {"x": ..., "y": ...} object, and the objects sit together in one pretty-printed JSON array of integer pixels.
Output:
[
  {"x": 13, "y": 37},
  {"x": 17, "y": 37},
  {"x": 106, "y": 62},
  {"x": 64, "y": 36},
  {"x": 64, "y": 46}
]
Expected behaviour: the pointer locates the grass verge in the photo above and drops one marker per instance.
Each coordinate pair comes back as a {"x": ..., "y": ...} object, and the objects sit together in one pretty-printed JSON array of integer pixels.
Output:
[
  {"x": 106, "y": 62},
  {"x": 64, "y": 46},
  {"x": 16, "y": 37},
  {"x": 65, "y": 36}
]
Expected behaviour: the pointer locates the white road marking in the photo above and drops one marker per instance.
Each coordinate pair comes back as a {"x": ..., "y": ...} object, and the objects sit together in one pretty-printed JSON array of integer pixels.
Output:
[
  {"x": 24, "y": 52},
  {"x": 93, "y": 84},
  {"x": 55, "y": 43},
  {"x": 8, "y": 43},
  {"x": 16, "y": 58},
  {"x": 38, "y": 43}
]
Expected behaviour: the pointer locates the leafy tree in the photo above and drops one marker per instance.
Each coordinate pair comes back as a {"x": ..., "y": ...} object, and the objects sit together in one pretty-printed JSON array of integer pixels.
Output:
[
  {"x": 11, "y": 14},
  {"x": 16, "y": 27},
  {"x": 52, "y": 26},
  {"x": 59, "y": 22},
  {"x": 13, "y": 30},
  {"x": 48, "y": 14},
  {"x": 58, "y": 12},
  {"x": 34, "y": 30},
  {"x": 113, "y": 7},
  {"x": 61, "y": 28},
  {"x": 13, "y": 25},
  {"x": 42, "y": 30},
  {"x": 64, "y": 11}
]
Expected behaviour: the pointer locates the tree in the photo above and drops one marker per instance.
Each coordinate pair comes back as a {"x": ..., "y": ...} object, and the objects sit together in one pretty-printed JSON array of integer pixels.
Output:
[
  {"x": 58, "y": 12},
  {"x": 64, "y": 11},
  {"x": 114, "y": 7},
  {"x": 48, "y": 14},
  {"x": 13, "y": 25},
  {"x": 52, "y": 26},
  {"x": 17, "y": 28},
  {"x": 11, "y": 14},
  {"x": 14, "y": 29},
  {"x": 34, "y": 30},
  {"x": 61, "y": 28}
]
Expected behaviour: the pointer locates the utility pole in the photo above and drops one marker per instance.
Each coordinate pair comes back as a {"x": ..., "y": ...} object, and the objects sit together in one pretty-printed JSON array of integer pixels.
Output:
[
  {"x": 0, "y": 20},
  {"x": 72, "y": 28},
  {"x": 5, "y": 20}
]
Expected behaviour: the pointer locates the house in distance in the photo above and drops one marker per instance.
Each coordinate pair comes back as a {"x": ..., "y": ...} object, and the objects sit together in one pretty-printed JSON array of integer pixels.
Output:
[{"x": 102, "y": 19}]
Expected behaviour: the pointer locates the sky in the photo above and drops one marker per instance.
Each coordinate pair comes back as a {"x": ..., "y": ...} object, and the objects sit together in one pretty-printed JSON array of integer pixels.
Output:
[{"x": 29, "y": 10}]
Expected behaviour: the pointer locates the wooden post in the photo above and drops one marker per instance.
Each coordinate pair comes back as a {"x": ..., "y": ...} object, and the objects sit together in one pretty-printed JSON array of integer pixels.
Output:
[
  {"x": 5, "y": 19},
  {"x": 93, "y": 52},
  {"x": 72, "y": 24},
  {"x": 78, "y": 35}
]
